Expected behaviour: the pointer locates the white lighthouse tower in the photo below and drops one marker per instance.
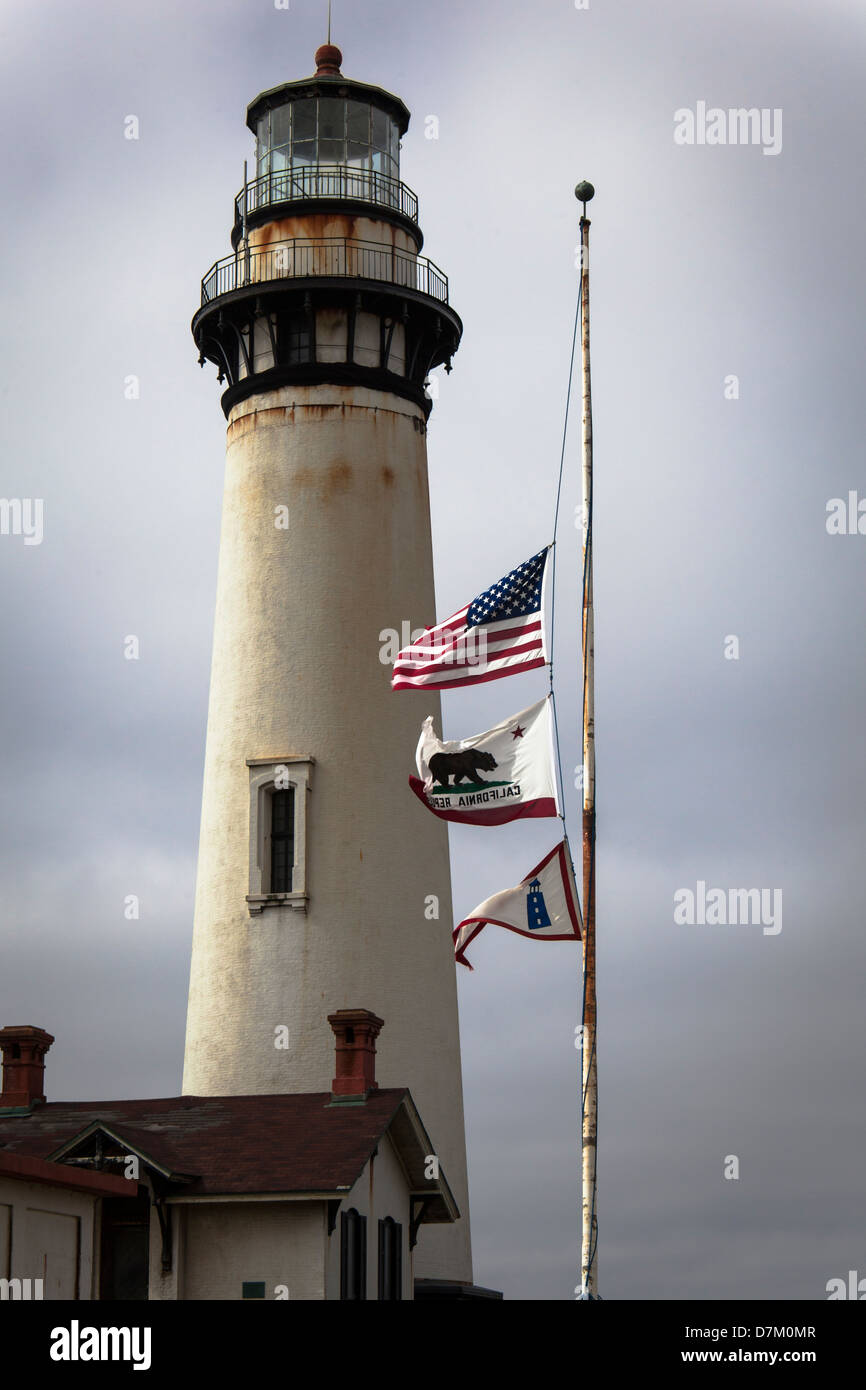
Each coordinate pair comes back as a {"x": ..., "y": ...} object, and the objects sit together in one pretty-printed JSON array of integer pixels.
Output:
[{"x": 318, "y": 870}]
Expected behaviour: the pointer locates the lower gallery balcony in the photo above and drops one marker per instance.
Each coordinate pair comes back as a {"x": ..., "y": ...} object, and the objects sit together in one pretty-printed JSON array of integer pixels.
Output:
[
  {"x": 306, "y": 310},
  {"x": 324, "y": 258}
]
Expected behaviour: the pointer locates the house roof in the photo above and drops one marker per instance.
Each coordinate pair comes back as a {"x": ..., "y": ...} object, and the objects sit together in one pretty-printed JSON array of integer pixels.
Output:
[
  {"x": 26, "y": 1168},
  {"x": 242, "y": 1145}
]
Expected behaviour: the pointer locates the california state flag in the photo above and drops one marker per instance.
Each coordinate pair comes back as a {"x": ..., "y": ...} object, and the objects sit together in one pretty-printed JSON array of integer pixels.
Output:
[
  {"x": 490, "y": 778},
  {"x": 544, "y": 904}
]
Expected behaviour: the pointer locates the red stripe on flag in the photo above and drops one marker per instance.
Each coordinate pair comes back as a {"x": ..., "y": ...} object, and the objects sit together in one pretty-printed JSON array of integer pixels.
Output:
[
  {"x": 494, "y": 922},
  {"x": 492, "y": 633},
  {"x": 433, "y": 684},
  {"x": 459, "y": 955},
  {"x": 461, "y": 663},
  {"x": 452, "y": 624},
  {"x": 541, "y": 806},
  {"x": 440, "y": 640}
]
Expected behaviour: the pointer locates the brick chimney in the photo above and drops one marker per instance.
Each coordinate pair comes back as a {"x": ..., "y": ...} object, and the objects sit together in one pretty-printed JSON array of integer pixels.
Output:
[
  {"x": 356, "y": 1031},
  {"x": 23, "y": 1050}
]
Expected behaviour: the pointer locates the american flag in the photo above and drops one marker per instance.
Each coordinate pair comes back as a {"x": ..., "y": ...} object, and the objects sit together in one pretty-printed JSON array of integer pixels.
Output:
[{"x": 499, "y": 633}]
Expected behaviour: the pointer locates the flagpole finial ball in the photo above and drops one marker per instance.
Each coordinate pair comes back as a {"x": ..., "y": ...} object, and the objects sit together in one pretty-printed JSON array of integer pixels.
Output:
[{"x": 584, "y": 192}]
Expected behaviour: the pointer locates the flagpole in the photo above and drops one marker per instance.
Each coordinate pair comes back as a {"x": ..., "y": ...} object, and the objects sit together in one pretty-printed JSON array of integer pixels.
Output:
[{"x": 589, "y": 1072}]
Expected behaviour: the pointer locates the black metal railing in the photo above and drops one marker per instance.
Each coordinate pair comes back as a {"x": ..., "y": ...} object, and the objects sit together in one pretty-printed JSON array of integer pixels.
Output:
[
  {"x": 333, "y": 181},
  {"x": 325, "y": 257}
]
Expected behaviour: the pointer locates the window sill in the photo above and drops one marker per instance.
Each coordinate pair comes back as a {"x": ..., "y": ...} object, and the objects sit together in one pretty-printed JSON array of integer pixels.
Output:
[{"x": 257, "y": 902}]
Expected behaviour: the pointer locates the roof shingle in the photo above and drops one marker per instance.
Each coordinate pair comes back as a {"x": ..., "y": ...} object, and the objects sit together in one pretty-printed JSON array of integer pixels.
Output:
[{"x": 225, "y": 1144}]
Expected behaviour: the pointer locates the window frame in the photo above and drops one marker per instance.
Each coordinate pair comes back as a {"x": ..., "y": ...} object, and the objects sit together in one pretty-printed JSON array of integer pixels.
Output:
[
  {"x": 380, "y": 156},
  {"x": 295, "y": 339},
  {"x": 390, "y": 1262},
  {"x": 348, "y": 1293},
  {"x": 274, "y": 834},
  {"x": 295, "y": 773}
]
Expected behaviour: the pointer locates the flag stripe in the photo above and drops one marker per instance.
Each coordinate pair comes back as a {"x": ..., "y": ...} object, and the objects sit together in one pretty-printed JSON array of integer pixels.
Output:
[
  {"x": 498, "y": 649},
  {"x": 446, "y": 655},
  {"x": 482, "y": 922},
  {"x": 452, "y": 682},
  {"x": 459, "y": 951},
  {"x": 500, "y": 815},
  {"x": 493, "y": 638},
  {"x": 509, "y": 926}
]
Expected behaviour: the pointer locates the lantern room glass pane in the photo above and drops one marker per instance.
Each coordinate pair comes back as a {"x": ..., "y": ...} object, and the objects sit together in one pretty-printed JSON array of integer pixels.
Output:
[
  {"x": 332, "y": 151},
  {"x": 380, "y": 129},
  {"x": 263, "y": 144},
  {"x": 304, "y": 153},
  {"x": 358, "y": 121},
  {"x": 280, "y": 125},
  {"x": 332, "y": 119},
  {"x": 327, "y": 131},
  {"x": 305, "y": 119}
]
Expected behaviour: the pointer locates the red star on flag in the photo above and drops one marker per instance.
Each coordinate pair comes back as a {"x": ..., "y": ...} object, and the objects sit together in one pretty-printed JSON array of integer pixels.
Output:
[{"x": 518, "y": 732}]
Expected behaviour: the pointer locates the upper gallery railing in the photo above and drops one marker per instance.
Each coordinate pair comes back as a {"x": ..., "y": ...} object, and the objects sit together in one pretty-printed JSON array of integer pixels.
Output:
[{"x": 339, "y": 182}]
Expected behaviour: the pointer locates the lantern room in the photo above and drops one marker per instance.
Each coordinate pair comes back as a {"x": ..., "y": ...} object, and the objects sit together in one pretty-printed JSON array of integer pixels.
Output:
[
  {"x": 327, "y": 138},
  {"x": 325, "y": 282},
  {"x": 327, "y": 130}
]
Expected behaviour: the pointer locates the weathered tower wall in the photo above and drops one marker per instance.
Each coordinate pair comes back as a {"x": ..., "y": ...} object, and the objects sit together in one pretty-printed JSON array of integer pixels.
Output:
[{"x": 325, "y": 324}]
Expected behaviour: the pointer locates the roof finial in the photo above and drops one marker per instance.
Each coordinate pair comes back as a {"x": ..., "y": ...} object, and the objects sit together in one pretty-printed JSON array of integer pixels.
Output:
[
  {"x": 328, "y": 60},
  {"x": 328, "y": 56}
]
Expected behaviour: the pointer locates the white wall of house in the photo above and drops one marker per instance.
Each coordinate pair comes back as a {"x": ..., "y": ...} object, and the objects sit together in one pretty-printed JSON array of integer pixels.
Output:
[
  {"x": 225, "y": 1244},
  {"x": 382, "y": 1190},
  {"x": 220, "y": 1245},
  {"x": 47, "y": 1233},
  {"x": 163, "y": 1285}
]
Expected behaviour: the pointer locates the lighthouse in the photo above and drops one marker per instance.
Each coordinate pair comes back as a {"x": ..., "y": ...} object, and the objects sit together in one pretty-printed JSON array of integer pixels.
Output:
[{"x": 323, "y": 885}]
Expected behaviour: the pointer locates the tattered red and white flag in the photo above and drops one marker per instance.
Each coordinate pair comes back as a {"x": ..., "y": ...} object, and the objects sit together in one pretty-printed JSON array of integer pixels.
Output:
[
  {"x": 543, "y": 905},
  {"x": 491, "y": 778}
]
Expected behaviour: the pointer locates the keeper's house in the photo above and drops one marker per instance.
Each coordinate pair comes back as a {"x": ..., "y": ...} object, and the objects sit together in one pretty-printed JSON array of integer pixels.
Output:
[{"x": 314, "y": 1196}]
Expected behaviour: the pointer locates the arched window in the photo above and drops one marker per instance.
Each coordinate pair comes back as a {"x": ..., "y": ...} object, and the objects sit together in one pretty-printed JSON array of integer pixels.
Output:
[
  {"x": 353, "y": 1255},
  {"x": 282, "y": 840},
  {"x": 390, "y": 1259},
  {"x": 279, "y": 793}
]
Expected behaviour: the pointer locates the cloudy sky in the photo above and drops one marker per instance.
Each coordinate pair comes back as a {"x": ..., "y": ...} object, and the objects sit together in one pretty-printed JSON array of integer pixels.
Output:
[{"x": 708, "y": 262}]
